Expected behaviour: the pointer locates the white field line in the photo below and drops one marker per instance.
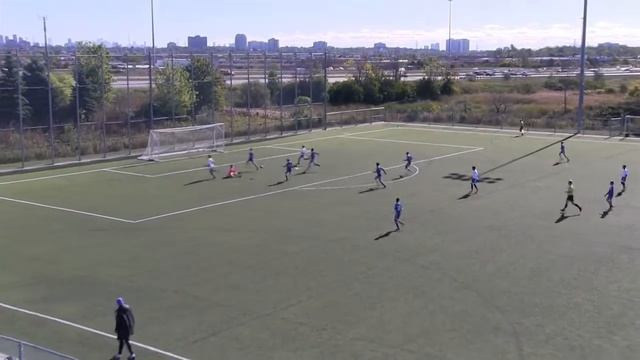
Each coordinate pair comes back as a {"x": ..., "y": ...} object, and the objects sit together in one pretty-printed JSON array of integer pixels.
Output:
[
  {"x": 282, "y": 148},
  {"x": 364, "y": 185},
  {"x": 52, "y": 176},
  {"x": 90, "y": 330},
  {"x": 202, "y": 168},
  {"x": 410, "y": 142},
  {"x": 499, "y": 132},
  {"x": 66, "y": 209},
  {"x": 276, "y": 146},
  {"x": 291, "y": 188},
  {"x": 127, "y": 173}
]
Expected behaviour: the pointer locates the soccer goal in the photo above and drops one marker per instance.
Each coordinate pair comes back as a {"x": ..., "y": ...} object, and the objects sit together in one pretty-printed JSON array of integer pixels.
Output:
[{"x": 174, "y": 141}]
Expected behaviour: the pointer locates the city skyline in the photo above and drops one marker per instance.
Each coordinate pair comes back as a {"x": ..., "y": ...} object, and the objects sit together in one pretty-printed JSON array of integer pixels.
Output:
[{"x": 488, "y": 26}]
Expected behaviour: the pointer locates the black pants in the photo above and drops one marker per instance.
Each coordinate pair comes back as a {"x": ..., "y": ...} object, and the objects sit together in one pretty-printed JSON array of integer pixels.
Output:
[{"x": 121, "y": 342}]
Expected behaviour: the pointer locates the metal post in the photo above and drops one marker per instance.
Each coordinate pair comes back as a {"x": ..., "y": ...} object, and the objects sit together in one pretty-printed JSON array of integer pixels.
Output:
[
  {"x": 212, "y": 115},
  {"x": 311, "y": 94},
  {"x": 325, "y": 94},
  {"x": 266, "y": 131},
  {"x": 248, "y": 97},
  {"x": 295, "y": 96},
  {"x": 46, "y": 56},
  {"x": 173, "y": 95},
  {"x": 193, "y": 91},
  {"x": 449, "y": 43},
  {"x": 233, "y": 112},
  {"x": 126, "y": 64},
  {"x": 580, "y": 117},
  {"x": 20, "y": 351},
  {"x": 150, "y": 91},
  {"x": 102, "y": 107},
  {"x": 20, "y": 117},
  {"x": 281, "y": 96},
  {"x": 78, "y": 129}
]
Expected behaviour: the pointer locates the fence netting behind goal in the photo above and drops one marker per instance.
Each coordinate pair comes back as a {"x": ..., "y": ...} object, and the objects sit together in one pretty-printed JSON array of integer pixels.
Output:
[{"x": 167, "y": 142}]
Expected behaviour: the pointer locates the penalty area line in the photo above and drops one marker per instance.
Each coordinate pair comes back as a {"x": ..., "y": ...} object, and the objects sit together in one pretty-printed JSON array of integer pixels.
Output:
[
  {"x": 90, "y": 330},
  {"x": 24, "y": 202},
  {"x": 256, "y": 196},
  {"x": 364, "y": 185}
]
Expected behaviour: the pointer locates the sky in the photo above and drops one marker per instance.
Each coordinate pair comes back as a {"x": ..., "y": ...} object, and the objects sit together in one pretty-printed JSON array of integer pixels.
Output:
[{"x": 343, "y": 23}]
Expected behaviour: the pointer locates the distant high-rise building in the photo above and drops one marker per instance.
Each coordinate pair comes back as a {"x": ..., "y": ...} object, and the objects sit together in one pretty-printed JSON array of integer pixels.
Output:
[
  {"x": 320, "y": 46},
  {"x": 458, "y": 46},
  {"x": 435, "y": 47},
  {"x": 172, "y": 45},
  {"x": 380, "y": 47},
  {"x": 1, "y": 40},
  {"x": 197, "y": 42},
  {"x": 257, "y": 45},
  {"x": 241, "y": 42},
  {"x": 273, "y": 45}
]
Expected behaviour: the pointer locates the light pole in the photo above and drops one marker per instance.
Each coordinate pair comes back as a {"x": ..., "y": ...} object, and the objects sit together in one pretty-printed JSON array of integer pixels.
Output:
[
  {"x": 580, "y": 113},
  {"x": 449, "y": 42}
]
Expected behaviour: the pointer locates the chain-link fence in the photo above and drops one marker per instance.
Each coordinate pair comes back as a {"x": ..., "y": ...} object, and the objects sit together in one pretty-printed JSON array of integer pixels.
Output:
[
  {"x": 12, "y": 349},
  {"x": 93, "y": 104}
]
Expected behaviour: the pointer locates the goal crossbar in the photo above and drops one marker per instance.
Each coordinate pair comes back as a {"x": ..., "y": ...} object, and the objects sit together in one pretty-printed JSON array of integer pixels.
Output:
[{"x": 174, "y": 141}]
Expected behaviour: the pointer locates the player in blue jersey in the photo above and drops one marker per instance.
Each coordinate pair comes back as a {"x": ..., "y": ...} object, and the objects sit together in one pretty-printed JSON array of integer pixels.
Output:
[
  {"x": 475, "y": 178},
  {"x": 379, "y": 171},
  {"x": 397, "y": 212},
  {"x": 609, "y": 195},
  {"x": 409, "y": 160},
  {"x": 313, "y": 160},
  {"x": 563, "y": 152},
  {"x": 252, "y": 159},
  {"x": 302, "y": 156},
  {"x": 288, "y": 169},
  {"x": 623, "y": 177}
]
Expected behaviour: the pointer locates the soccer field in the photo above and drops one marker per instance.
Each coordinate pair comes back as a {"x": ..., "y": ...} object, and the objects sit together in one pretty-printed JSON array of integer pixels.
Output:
[{"x": 254, "y": 268}]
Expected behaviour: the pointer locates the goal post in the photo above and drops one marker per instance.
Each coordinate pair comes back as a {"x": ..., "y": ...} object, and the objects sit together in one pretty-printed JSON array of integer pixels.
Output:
[{"x": 174, "y": 141}]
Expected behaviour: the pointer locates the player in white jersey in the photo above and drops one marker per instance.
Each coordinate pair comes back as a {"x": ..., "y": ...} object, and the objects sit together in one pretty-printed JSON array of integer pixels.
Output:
[
  {"x": 302, "y": 156},
  {"x": 475, "y": 179},
  {"x": 623, "y": 177},
  {"x": 570, "y": 199},
  {"x": 212, "y": 166}
]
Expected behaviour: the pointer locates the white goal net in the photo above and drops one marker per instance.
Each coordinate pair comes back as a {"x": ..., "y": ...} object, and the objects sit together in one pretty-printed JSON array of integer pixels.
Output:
[{"x": 167, "y": 142}]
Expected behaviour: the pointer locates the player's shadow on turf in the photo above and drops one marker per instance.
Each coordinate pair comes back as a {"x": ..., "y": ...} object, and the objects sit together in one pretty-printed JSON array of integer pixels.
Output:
[
  {"x": 465, "y": 196},
  {"x": 557, "y": 163},
  {"x": 369, "y": 190},
  {"x": 564, "y": 217},
  {"x": 605, "y": 213},
  {"x": 278, "y": 183},
  {"x": 197, "y": 182},
  {"x": 385, "y": 235},
  {"x": 620, "y": 193}
]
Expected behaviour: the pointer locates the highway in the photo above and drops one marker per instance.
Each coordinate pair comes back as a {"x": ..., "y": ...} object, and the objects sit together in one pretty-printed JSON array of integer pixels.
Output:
[{"x": 335, "y": 76}]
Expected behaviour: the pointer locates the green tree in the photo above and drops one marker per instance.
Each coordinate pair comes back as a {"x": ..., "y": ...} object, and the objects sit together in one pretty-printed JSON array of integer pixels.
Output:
[
  {"x": 256, "y": 92},
  {"x": 94, "y": 79},
  {"x": 427, "y": 89},
  {"x": 447, "y": 87},
  {"x": 9, "y": 98},
  {"x": 208, "y": 84},
  {"x": 303, "y": 108},
  {"x": 345, "y": 92},
  {"x": 37, "y": 91},
  {"x": 174, "y": 94},
  {"x": 274, "y": 87}
]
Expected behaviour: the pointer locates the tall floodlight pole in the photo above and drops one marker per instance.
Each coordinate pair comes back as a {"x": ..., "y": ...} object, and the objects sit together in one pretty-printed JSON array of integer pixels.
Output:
[
  {"x": 48, "y": 64},
  {"x": 153, "y": 35},
  {"x": 449, "y": 42},
  {"x": 580, "y": 113}
]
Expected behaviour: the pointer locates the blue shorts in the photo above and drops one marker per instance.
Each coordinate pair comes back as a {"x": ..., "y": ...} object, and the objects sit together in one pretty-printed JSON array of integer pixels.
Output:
[
  {"x": 378, "y": 177},
  {"x": 397, "y": 216},
  {"x": 624, "y": 179},
  {"x": 609, "y": 198},
  {"x": 474, "y": 181}
]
